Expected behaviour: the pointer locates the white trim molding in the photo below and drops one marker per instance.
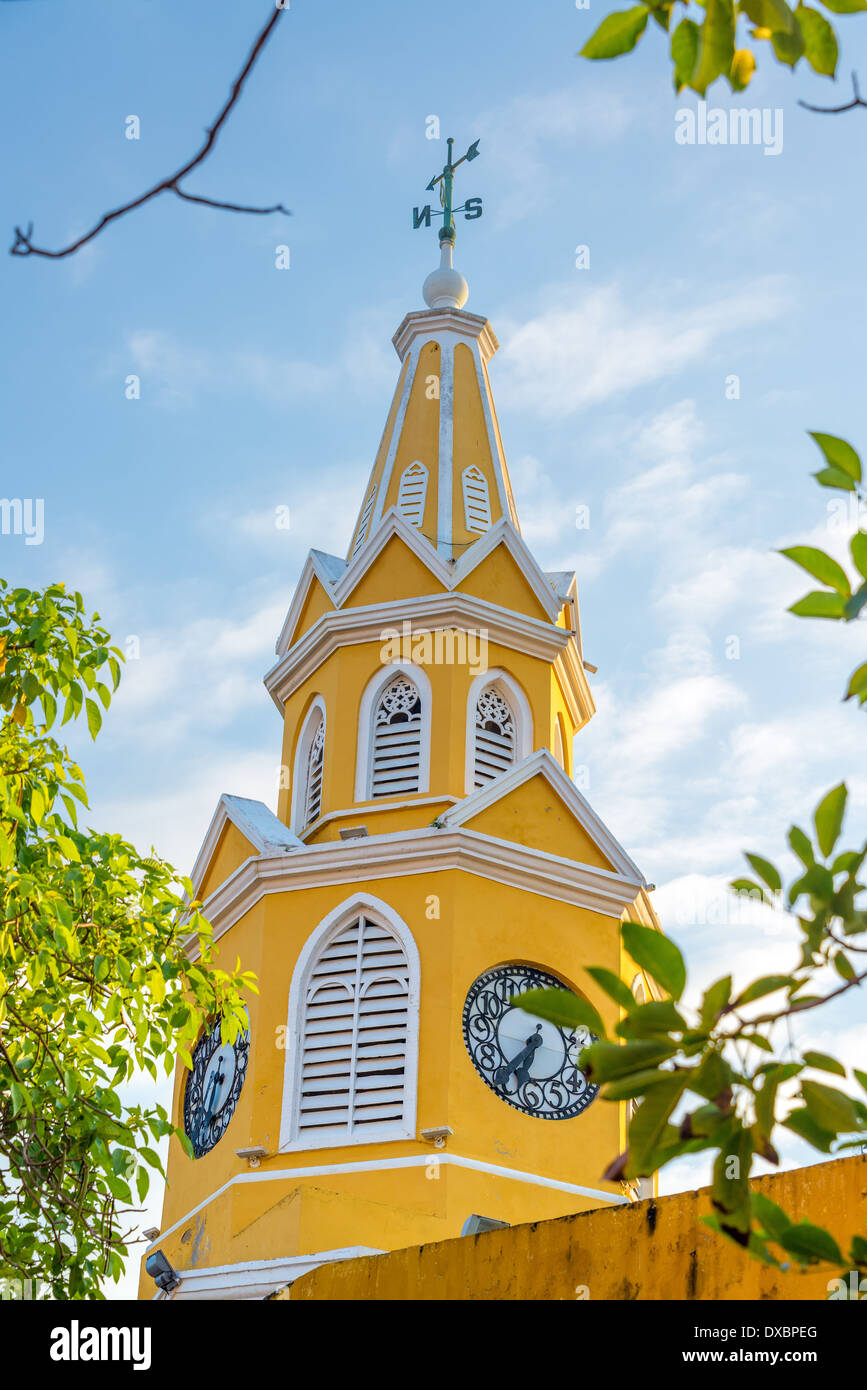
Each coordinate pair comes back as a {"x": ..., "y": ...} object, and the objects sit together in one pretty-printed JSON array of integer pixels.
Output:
[
  {"x": 332, "y": 863},
  {"x": 522, "y": 715},
  {"x": 386, "y": 1165},
  {"x": 375, "y": 688},
  {"x": 257, "y": 1279},
  {"x": 260, "y": 827},
  {"x": 379, "y": 912}
]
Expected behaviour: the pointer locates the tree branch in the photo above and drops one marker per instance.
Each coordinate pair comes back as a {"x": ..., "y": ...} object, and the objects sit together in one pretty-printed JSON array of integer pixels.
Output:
[
  {"x": 23, "y": 244},
  {"x": 857, "y": 100}
]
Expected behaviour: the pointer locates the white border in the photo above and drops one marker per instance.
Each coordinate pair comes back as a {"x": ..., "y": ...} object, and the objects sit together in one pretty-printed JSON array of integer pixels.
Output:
[
  {"x": 367, "y": 713},
  {"x": 380, "y": 912}
]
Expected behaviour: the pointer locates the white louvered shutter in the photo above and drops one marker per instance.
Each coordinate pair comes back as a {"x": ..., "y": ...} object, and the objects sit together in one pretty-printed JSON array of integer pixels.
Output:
[
  {"x": 313, "y": 798},
  {"x": 362, "y": 525},
  {"x": 412, "y": 492},
  {"x": 397, "y": 740},
  {"x": 477, "y": 503},
  {"x": 494, "y": 736},
  {"x": 354, "y": 1037}
]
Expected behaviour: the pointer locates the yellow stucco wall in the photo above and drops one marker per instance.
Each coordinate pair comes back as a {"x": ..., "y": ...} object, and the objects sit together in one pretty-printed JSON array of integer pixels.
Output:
[
  {"x": 649, "y": 1250},
  {"x": 480, "y": 924}
]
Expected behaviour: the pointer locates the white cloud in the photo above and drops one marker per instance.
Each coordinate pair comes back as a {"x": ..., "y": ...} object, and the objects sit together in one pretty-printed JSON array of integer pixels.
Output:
[
  {"x": 520, "y": 136},
  {"x": 583, "y": 347}
]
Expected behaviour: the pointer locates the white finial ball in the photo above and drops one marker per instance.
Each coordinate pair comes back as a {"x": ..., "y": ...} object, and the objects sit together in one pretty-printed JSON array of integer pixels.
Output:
[{"x": 445, "y": 287}]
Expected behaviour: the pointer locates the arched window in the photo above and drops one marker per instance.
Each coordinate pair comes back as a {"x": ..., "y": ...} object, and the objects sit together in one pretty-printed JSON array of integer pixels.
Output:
[
  {"x": 477, "y": 503},
  {"x": 352, "y": 1037},
  {"x": 314, "y": 774},
  {"x": 396, "y": 762},
  {"x": 362, "y": 525},
  {"x": 499, "y": 727},
  {"x": 308, "y": 769},
  {"x": 494, "y": 736},
  {"x": 412, "y": 492}
]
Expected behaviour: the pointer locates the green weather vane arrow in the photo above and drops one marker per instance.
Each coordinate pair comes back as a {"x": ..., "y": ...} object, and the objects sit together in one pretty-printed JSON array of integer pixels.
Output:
[{"x": 471, "y": 209}]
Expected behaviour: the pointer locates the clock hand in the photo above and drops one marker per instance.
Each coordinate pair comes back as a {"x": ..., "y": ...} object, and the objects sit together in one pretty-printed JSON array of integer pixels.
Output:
[{"x": 520, "y": 1064}]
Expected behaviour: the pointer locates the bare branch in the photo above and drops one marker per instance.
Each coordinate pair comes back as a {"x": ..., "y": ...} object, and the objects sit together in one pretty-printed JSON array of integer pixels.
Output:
[
  {"x": 857, "y": 100},
  {"x": 23, "y": 244}
]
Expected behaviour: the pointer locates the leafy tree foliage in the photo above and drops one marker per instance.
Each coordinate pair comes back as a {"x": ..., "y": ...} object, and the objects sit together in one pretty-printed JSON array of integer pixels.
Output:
[
  {"x": 720, "y": 38},
  {"x": 710, "y": 1078},
  {"x": 96, "y": 986}
]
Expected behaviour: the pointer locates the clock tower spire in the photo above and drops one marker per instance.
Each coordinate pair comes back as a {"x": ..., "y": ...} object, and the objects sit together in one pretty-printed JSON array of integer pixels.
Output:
[{"x": 430, "y": 858}]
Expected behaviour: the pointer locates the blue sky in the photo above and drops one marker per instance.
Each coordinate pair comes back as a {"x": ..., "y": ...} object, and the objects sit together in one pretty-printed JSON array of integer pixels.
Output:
[{"x": 263, "y": 388}]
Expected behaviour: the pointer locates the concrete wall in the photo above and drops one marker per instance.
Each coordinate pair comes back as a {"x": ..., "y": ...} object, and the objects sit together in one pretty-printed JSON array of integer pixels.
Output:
[{"x": 649, "y": 1250}]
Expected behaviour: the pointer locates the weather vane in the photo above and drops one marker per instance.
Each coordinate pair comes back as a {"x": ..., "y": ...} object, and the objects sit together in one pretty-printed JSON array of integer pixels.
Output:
[{"x": 471, "y": 209}]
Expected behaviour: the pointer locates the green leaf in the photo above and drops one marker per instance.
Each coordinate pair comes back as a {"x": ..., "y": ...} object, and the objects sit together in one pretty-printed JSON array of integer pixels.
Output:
[
  {"x": 650, "y": 1120},
  {"x": 802, "y": 846},
  {"x": 648, "y": 1020},
  {"x": 142, "y": 1182},
  {"x": 857, "y": 682},
  {"x": 716, "y": 44},
  {"x": 832, "y": 1110},
  {"x": 858, "y": 547},
  {"x": 767, "y": 984},
  {"x": 730, "y": 1189},
  {"x": 823, "y": 1062},
  {"x": 766, "y": 871},
  {"x": 684, "y": 52},
  {"x": 820, "y": 566},
  {"x": 774, "y": 1220},
  {"x": 820, "y": 41},
  {"x": 789, "y": 48},
  {"x": 613, "y": 986},
  {"x": 835, "y": 478},
  {"x": 855, "y": 603},
  {"x": 860, "y": 1077},
  {"x": 618, "y": 33},
  {"x": 838, "y": 453},
  {"x": 819, "y": 604},
  {"x": 606, "y": 1061},
  {"x": 844, "y": 966},
  {"x": 769, "y": 14},
  {"x": 94, "y": 718},
  {"x": 562, "y": 1007},
  {"x": 656, "y": 954},
  {"x": 715, "y": 1000},
  {"x": 828, "y": 818},
  {"x": 810, "y": 1244}
]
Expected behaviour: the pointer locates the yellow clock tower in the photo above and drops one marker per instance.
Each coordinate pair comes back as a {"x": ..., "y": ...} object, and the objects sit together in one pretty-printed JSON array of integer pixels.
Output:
[{"x": 430, "y": 857}]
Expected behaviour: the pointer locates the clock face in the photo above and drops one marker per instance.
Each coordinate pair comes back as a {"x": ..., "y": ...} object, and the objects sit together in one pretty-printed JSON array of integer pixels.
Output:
[
  {"x": 531, "y": 1064},
  {"x": 213, "y": 1088}
]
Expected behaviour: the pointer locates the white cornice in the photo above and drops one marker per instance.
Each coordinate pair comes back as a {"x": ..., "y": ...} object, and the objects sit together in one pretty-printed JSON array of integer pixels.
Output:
[
  {"x": 460, "y": 610},
  {"x": 434, "y": 323},
  {"x": 256, "y": 1278},
  {"x": 313, "y": 568},
  {"x": 378, "y": 1165},
  {"x": 259, "y": 826},
  {"x": 425, "y": 851},
  {"x": 543, "y": 763}
]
